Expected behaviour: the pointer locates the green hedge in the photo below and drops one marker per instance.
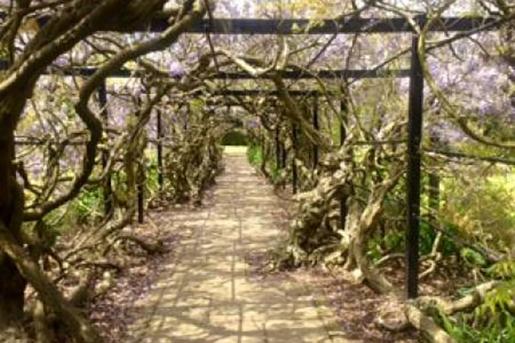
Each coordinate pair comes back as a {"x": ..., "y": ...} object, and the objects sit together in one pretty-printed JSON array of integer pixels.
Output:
[{"x": 235, "y": 138}]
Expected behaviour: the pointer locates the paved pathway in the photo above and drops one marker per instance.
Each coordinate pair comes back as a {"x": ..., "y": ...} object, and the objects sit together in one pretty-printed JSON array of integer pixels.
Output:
[{"x": 207, "y": 294}]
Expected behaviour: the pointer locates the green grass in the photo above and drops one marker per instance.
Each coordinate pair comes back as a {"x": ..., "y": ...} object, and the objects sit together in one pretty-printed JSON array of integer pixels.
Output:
[
  {"x": 235, "y": 138},
  {"x": 235, "y": 150},
  {"x": 255, "y": 155}
]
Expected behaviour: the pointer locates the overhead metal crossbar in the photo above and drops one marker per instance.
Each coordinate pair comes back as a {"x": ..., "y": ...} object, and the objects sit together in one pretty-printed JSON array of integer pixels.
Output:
[
  {"x": 306, "y": 26},
  {"x": 266, "y": 92},
  {"x": 322, "y": 74},
  {"x": 326, "y": 26},
  {"x": 285, "y": 74}
]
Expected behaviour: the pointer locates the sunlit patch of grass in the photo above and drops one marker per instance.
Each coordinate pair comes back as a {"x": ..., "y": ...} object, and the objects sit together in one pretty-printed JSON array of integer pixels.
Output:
[
  {"x": 235, "y": 149},
  {"x": 482, "y": 207}
]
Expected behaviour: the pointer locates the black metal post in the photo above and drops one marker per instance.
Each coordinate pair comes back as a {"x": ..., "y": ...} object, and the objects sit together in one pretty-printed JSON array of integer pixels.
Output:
[
  {"x": 160, "y": 177},
  {"x": 141, "y": 204},
  {"x": 343, "y": 111},
  {"x": 140, "y": 183},
  {"x": 294, "y": 175},
  {"x": 265, "y": 151},
  {"x": 416, "y": 98},
  {"x": 277, "y": 149},
  {"x": 284, "y": 155},
  {"x": 343, "y": 134},
  {"x": 107, "y": 184},
  {"x": 316, "y": 126}
]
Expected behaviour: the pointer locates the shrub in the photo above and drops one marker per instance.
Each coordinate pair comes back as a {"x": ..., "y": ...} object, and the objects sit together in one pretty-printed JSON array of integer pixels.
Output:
[{"x": 235, "y": 138}]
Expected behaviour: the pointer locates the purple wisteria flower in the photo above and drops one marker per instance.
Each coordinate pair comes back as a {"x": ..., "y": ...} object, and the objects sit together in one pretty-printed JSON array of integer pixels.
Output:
[
  {"x": 253, "y": 123},
  {"x": 176, "y": 70},
  {"x": 62, "y": 61},
  {"x": 446, "y": 132}
]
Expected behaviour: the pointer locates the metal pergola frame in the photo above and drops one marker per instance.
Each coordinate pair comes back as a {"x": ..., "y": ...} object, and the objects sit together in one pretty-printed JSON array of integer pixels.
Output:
[
  {"x": 328, "y": 26},
  {"x": 343, "y": 26},
  {"x": 304, "y": 26},
  {"x": 285, "y": 74}
]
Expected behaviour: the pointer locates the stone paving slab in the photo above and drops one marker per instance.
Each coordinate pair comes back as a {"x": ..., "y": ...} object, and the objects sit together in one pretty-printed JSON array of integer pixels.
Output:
[{"x": 206, "y": 294}]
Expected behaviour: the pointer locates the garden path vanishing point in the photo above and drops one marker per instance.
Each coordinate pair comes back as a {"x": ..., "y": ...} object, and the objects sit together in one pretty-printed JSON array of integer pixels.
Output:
[{"x": 208, "y": 292}]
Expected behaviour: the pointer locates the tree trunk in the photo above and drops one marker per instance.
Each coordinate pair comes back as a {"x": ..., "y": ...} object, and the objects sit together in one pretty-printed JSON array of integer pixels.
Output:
[
  {"x": 12, "y": 289},
  {"x": 12, "y": 283}
]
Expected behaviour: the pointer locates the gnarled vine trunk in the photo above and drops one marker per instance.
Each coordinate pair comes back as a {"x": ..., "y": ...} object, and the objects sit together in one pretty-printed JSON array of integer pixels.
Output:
[
  {"x": 12, "y": 283},
  {"x": 76, "y": 20}
]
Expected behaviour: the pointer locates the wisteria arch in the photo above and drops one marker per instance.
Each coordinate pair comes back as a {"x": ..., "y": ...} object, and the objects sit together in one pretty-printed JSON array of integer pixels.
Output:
[{"x": 33, "y": 48}]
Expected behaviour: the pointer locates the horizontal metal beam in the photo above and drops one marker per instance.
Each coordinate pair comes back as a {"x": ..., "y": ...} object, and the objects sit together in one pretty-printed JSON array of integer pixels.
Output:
[
  {"x": 267, "y": 92},
  {"x": 286, "y": 74},
  {"x": 302, "y": 26},
  {"x": 323, "y": 74},
  {"x": 327, "y": 26}
]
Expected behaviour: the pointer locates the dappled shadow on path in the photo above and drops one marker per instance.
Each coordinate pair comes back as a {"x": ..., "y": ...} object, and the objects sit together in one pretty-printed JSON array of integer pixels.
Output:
[{"x": 207, "y": 294}]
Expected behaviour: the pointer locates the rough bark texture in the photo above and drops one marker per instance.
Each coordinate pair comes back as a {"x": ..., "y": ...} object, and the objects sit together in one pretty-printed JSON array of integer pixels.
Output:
[
  {"x": 76, "y": 20},
  {"x": 12, "y": 286},
  {"x": 75, "y": 324},
  {"x": 12, "y": 291},
  {"x": 432, "y": 332}
]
